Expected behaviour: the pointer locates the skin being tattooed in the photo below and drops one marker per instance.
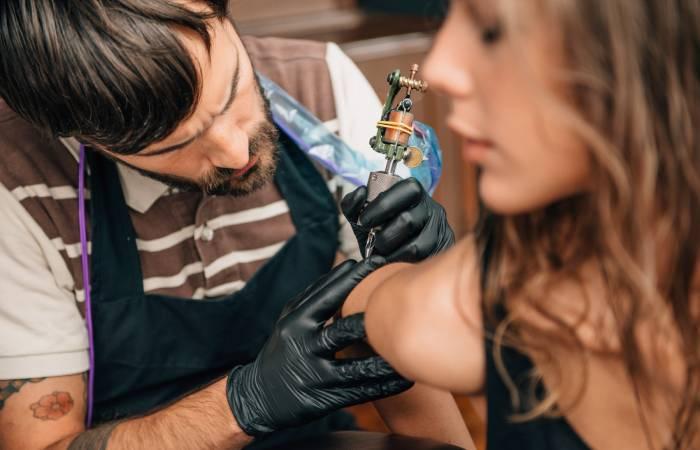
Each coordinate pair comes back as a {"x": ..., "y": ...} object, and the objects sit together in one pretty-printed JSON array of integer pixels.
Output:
[{"x": 9, "y": 388}]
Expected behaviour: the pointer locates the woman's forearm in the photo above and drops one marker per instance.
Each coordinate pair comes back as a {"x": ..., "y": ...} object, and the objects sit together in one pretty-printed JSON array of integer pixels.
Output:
[
  {"x": 422, "y": 411},
  {"x": 426, "y": 412}
]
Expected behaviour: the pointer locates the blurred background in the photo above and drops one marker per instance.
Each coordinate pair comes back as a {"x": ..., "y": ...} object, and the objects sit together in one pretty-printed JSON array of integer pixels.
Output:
[{"x": 380, "y": 36}]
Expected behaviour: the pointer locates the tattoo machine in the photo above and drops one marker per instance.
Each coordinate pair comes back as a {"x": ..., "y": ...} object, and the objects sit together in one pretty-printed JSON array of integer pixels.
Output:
[
  {"x": 393, "y": 138},
  {"x": 399, "y": 138}
]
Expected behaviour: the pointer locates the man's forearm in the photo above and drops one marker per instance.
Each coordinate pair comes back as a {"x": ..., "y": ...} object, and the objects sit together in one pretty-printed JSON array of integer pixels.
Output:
[{"x": 201, "y": 420}]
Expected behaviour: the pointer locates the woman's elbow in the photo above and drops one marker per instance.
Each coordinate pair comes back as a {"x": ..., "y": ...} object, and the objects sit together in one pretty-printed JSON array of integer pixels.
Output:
[{"x": 391, "y": 329}]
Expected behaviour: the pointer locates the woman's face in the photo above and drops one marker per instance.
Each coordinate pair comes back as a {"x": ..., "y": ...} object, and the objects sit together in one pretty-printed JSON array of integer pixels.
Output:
[{"x": 500, "y": 82}]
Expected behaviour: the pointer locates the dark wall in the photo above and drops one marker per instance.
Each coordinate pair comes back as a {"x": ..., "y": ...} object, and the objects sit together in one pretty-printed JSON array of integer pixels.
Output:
[{"x": 428, "y": 8}]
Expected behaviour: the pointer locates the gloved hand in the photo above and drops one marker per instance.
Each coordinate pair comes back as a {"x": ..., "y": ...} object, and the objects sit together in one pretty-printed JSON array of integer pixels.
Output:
[
  {"x": 296, "y": 378},
  {"x": 413, "y": 225}
]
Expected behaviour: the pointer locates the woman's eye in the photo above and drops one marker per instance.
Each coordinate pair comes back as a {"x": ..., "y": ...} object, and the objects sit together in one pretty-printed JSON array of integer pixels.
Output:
[{"x": 492, "y": 34}]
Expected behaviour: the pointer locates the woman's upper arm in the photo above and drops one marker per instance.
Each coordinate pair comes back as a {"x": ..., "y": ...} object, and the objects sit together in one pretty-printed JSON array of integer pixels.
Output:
[{"x": 426, "y": 321}]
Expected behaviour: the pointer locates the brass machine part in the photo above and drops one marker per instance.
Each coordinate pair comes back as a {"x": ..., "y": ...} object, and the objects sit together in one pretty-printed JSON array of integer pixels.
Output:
[
  {"x": 401, "y": 130},
  {"x": 411, "y": 83},
  {"x": 413, "y": 157}
]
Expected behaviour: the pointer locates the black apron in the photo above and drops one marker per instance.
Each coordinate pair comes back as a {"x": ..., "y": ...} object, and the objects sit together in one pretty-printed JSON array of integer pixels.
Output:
[{"x": 151, "y": 349}]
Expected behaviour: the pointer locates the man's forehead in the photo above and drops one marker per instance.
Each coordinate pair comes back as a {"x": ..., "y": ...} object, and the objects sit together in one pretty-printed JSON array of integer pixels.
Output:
[{"x": 217, "y": 67}]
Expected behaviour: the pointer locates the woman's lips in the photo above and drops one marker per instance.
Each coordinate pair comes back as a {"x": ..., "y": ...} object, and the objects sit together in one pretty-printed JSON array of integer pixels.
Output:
[
  {"x": 476, "y": 150},
  {"x": 474, "y": 146},
  {"x": 239, "y": 173}
]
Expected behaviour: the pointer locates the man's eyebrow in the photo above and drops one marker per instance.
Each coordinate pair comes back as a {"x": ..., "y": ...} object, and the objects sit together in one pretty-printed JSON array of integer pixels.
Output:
[{"x": 227, "y": 106}]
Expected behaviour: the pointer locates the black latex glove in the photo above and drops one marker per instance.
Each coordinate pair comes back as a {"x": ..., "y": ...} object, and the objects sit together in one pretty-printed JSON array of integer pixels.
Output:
[
  {"x": 413, "y": 226},
  {"x": 295, "y": 378}
]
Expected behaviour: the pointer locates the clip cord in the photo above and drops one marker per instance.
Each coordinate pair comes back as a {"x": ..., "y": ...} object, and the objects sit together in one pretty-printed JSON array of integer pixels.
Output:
[{"x": 82, "y": 221}]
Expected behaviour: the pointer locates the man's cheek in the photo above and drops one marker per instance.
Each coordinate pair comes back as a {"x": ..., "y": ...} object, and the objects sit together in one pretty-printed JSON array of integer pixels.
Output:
[{"x": 184, "y": 167}]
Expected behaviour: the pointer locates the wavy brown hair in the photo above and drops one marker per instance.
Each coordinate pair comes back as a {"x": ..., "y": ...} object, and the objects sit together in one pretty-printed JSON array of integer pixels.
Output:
[{"x": 633, "y": 67}]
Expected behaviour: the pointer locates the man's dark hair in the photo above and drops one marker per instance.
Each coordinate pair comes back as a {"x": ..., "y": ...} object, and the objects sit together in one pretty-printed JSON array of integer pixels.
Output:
[{"x": 112, "y": 73}]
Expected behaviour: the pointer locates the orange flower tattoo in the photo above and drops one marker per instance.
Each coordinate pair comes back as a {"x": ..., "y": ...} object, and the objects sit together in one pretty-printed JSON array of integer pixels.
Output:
[{"x": 53, "y": 407}]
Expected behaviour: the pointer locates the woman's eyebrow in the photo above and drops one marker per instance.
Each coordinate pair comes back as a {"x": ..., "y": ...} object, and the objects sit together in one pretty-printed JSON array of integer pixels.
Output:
[{"x": 474, "y": 11}]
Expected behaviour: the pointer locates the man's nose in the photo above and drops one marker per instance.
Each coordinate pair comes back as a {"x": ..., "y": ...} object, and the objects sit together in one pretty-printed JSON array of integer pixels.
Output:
[{"x": 227, "y": 146}]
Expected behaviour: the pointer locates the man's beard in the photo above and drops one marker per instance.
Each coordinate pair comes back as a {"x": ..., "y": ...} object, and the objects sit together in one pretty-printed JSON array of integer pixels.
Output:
[
  {"x": 221, "y": 181},
  {"x": 262, "y": 145}
]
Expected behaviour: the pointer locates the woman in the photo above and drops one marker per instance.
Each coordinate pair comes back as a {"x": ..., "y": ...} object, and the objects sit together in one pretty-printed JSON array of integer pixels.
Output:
[{"x": 583, "y": 280}]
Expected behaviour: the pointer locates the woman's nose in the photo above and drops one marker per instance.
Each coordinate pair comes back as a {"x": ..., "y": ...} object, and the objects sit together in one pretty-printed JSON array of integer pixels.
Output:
[
  {"x": 447, "y": 67},
  {"x": 227, "y": 146}
]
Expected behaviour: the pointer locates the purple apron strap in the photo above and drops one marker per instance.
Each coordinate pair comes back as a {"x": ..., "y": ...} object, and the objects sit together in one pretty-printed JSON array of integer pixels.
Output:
[{"x": 86, "y": 283}]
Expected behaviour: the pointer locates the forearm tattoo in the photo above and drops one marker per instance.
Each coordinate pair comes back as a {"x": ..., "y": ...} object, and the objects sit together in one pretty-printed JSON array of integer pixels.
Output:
[{"x": 11, "y": 387}]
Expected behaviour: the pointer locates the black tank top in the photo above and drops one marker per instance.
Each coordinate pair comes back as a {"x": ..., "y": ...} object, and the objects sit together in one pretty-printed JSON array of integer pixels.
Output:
[{"x": 502, "y": 433}]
